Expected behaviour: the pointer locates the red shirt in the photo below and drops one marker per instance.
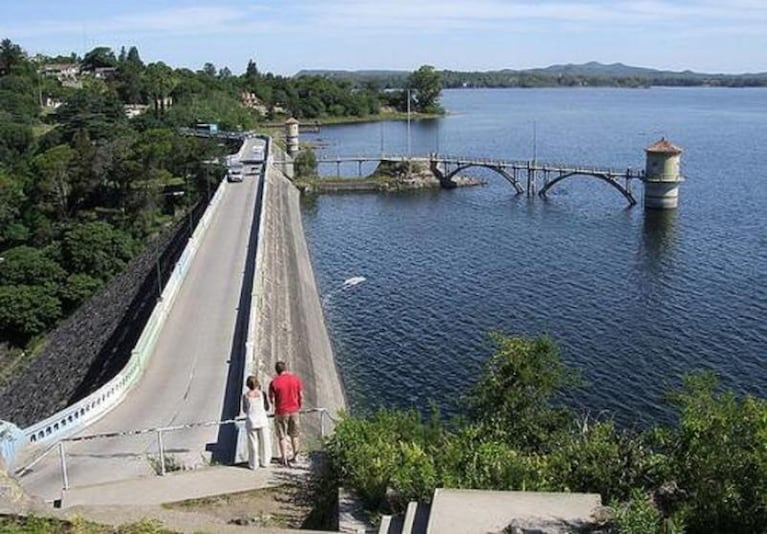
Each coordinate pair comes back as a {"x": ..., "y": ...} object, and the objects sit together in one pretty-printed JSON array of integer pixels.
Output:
[{"x": 286, "y": 390}]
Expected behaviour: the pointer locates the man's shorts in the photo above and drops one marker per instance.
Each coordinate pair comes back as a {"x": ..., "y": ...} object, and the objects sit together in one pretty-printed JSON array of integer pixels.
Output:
[{"x": 287, "y": 425}]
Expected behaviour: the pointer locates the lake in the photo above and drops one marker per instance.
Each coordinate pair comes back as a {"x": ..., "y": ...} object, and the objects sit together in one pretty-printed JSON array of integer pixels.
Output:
[{"x": 634, "y": 298}]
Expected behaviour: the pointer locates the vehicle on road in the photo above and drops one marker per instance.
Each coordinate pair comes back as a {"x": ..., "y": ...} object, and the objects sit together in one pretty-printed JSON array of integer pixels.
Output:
[{"x": 235, "y": 172}]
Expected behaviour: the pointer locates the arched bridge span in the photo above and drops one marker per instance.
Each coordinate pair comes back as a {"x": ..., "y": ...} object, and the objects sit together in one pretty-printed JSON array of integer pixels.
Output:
[
  {"x": 605, "y": 177},
  {"x": 447, "y": 176}
]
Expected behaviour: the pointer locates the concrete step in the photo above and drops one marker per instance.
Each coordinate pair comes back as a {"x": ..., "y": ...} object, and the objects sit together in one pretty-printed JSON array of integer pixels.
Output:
[
  {"x": 416, "y": 518},
  {"x": 407, "y": 524},
  {"x": 383, "y": 528},
  {"x": 421, "y": 518}
]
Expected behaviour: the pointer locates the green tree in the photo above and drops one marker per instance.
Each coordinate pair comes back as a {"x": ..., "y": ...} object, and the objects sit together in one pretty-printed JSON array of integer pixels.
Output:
[
  {"x": 77, "y": 289},
  {"x": 96, "y": 249},
  {"x": 134, "y": 58},
  {"x": 159, "y": 81},
  {"x": 305, "y": 164},
  {"x": 29, "y": 266},
  {"x": 209, "y": 69},
  {"x": 11, "y": 201},
  {"x": 15, "y": 141},
  {"x": 27, "y": 311},
  {"x": 99, "y": 57},
  {"x": 11, "y": 54},
  {"x": 130, "y": 84},
  {"x": 54, "y": 178},
  {"x": 427, "y": 85},
  {"x": 252, "y": 69},
  {"x": 514, "y": 398}
]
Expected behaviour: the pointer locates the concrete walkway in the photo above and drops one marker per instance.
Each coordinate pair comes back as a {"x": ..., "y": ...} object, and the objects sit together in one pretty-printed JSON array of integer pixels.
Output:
[
  {"x": 179, "y": 486},
  {"x": 289, "y": 320}
]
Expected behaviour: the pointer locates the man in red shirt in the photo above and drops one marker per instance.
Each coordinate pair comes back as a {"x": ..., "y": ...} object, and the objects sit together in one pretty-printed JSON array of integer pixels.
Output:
[{"x": 287, "y": 394}]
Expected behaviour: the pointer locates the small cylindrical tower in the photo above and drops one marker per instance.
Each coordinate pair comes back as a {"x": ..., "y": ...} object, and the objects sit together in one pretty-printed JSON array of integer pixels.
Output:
[
  {"x": 291, "y": 136},
  {"x": 662, "y": 177}
]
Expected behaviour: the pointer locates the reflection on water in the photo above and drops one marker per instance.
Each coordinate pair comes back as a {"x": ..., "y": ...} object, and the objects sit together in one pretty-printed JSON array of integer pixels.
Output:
[{"x": 658, "y": 235}]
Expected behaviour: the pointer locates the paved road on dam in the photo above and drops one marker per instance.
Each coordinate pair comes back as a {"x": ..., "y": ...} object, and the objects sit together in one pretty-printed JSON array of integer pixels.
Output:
[{"x": 185, "y": 380}]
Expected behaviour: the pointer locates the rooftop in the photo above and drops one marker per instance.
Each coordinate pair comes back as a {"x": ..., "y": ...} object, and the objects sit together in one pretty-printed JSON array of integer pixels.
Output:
[{"x": 664, "y": 146}]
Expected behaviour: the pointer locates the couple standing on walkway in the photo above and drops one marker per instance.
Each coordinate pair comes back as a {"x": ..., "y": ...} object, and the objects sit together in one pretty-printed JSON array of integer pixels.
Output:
[{"x": 286, "y": 395}]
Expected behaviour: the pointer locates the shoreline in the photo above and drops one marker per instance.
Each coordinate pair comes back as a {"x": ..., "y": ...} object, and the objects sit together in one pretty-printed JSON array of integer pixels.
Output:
[{"x": 389, "y": 176}]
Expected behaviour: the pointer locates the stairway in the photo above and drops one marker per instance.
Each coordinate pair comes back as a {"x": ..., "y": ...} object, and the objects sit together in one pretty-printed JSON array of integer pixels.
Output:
[{"x": 414, "y": 521}]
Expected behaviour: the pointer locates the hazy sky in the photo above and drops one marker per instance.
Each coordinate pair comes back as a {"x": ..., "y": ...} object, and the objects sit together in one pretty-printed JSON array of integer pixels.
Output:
[{"x": 286, "y": 36}]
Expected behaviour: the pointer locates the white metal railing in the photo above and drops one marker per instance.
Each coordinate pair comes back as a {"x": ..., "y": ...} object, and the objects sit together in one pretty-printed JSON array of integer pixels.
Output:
[{"x": 325, "y": 420}]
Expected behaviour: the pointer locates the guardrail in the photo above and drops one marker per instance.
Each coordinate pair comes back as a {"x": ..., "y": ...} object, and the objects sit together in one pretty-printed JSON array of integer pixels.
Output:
[
  {"x": 95, "y": 405},
  {"x": 251, "y": 365},
  {"x": 60, "y": 445}
]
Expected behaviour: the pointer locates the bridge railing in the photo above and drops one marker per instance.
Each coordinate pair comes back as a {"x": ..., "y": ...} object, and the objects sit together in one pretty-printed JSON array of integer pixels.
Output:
[{"x": 162, "y": 460}]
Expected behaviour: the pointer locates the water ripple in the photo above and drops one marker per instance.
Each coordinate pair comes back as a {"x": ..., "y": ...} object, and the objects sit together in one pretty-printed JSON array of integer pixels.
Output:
[{"x": 634, "y": 298}]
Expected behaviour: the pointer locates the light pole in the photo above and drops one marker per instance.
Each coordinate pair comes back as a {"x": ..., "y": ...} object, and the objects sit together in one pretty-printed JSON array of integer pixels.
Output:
[{"x": 409, "y": 170}]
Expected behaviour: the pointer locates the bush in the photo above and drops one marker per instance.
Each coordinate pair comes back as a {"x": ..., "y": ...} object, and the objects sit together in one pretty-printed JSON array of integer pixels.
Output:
[
  {"x": 513, "y": 400},
  {"x": 719, "y": 458},
  {"x": 305, "y": 164},
  {"x": 389, "y": 450}
]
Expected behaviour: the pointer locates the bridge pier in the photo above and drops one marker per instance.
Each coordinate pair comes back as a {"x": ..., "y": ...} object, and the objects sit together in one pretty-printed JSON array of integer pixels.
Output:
[
  {"x": 446, "y": 183},
  {"x": 530, "y": 179}
]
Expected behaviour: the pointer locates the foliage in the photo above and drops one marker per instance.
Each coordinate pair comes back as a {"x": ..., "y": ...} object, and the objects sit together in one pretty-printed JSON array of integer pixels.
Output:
[
  {"x": 77, "y": 202},
  {"x": 600, "y": 458},
  {"x": 99, "y": 57},
  {"x": 96, "y": 249},
  {"x": 514, "y": 398},
  {"x": 27, "y": 311},
  {"x": 637, "y": 516},
  {"x": 427, "y": 84},
  {"x": 387, "y": 450},
  {"x": 719, "y": 457},
  {"x": 705, "y": 474},
  {"x": 305, "y": 164}
]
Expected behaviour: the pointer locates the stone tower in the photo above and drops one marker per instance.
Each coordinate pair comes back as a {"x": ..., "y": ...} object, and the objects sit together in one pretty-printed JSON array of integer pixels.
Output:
[
  {"x": 662, "y": 178},
  {"x": 291, "y": 136}
]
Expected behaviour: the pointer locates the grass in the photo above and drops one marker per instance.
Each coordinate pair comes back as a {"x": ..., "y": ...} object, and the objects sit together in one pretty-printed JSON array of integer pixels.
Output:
[
  {"x": 45, "y": 525},
  {"x": 282, "y": 506}
]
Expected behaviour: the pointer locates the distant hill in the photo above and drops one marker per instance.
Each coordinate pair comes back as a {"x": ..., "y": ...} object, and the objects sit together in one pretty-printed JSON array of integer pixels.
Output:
[{"x": 592, "y": 74}]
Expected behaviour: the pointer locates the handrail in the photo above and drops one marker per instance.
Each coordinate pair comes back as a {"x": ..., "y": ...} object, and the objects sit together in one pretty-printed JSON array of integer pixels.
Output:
[
  {"x": 532, "y": 165},
  {"x": 60, "y": 444}
]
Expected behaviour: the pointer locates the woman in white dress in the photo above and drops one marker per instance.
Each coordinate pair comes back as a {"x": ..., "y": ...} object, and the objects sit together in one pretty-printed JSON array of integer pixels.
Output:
[{"x": 255, "y": 404}]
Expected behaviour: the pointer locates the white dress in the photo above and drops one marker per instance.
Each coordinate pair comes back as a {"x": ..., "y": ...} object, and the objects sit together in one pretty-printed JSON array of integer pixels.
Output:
[{"x": 257, "y": 426}]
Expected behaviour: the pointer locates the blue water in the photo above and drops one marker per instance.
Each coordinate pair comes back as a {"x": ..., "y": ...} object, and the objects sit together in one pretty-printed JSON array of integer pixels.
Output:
[{"x": 634, "y": 298}]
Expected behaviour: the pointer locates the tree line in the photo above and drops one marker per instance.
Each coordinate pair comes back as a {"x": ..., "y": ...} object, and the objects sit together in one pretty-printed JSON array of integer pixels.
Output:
[{"x": 83, "y": 188}]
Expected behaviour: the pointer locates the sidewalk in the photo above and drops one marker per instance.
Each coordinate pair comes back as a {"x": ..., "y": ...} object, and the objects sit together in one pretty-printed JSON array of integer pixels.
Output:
[
  {"x": 181, "y": 486},
  {"x": 216, "y": 499}
]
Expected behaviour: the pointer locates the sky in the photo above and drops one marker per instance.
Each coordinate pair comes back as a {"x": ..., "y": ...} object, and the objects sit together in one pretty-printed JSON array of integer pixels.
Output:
[{"x": 283, "y": 37}]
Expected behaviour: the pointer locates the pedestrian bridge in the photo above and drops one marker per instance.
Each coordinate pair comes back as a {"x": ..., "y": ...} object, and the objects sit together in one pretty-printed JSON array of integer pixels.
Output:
[{"x": 528, "y": 177}]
